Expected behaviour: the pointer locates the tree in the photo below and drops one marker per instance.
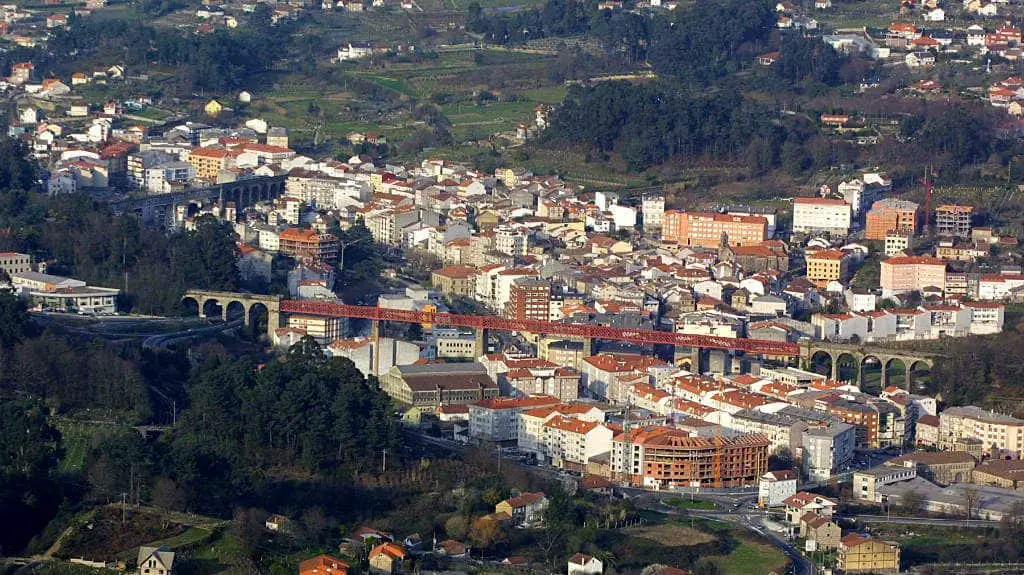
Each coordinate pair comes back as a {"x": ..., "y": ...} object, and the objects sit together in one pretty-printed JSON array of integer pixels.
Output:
[
  {"x": 910, "y": 503},
  {"x": 456, "y": 527},
  {"x": 485, "y": 532},
  {"x": 30, "y": 448},
  {"x": 14, "y": 319},
  {"x": 971, "y": 496}
]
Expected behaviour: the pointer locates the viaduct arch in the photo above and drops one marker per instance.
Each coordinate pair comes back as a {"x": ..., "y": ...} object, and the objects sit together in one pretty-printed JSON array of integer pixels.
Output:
[
  {"x": 249, "y": 304},
  {"x": 861, "y": 356}
]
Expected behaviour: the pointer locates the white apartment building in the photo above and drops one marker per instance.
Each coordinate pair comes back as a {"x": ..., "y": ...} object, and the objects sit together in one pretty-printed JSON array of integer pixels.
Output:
[
  {"x": 497, "y": 419},
  {"x": 569, "y": 442},
  {"x": 775, "y": 487},
  {"x": 511, "y": 240},
  {"x": 828, "y": 450},
  {"x": 653, "y": 209},
  {"x": 821, "y": 215},
  {"x": 998, "y": 287},
  {"x": 986, "y": 317},
  {"x": 530, "y": 428}
]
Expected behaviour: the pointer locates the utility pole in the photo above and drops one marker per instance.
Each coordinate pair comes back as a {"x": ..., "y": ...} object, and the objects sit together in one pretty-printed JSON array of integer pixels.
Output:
[
  {"x": 384, "y": 462},
  {"x": 123, "y": 510}
]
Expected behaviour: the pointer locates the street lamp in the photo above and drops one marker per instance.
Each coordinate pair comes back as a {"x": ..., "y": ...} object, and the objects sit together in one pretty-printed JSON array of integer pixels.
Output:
[{"x": 341, "y": 256}]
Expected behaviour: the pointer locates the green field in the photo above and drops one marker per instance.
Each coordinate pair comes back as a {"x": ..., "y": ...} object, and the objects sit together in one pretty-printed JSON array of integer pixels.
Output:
[
  {"x": 684, "y": 503},
  {"x": 752, "y": 558},
  {"x": 79, "y": 438}
]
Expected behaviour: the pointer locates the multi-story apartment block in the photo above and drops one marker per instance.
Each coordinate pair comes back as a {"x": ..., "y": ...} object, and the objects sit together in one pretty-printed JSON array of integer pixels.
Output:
[
  {"x": 210, "y": 162},
  {"x": 304, "y": 243},
  {"x": 569, "y": 443},
  {"x": 529, "y": 299},
  {"x": 891, "y": 214},
  {"x": 902, "y": 274},
  {"x": 952, "y": 220},
  {"x": 511, "y": 240},
  {"x": 775, "y": 487},
  {"x": 531, "y": 423},
  {"x": 707, "y": 229},
  {"x": 653, "y": 210},
  {"x": 897, "y": 242},
  {"x": 827, "y": 449},
  {"x": 497, "y": 419},
  {"x": 997, "y": 432},
  {"x": 821, "y": 215},
  {"x": 662, "y": 457},
  {"x": 560, "y": 382},
  {"x": 826, "y": 266}
]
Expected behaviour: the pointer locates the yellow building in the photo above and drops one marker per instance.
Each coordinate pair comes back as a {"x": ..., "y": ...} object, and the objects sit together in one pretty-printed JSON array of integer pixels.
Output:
[
  {"x": 209, "y": 162},
  {"x": 861, "y": 554},
  {"x": 827, "y": 266},
  {"x": 213, "y": 108},
  {"x": 455, "y": 280}
]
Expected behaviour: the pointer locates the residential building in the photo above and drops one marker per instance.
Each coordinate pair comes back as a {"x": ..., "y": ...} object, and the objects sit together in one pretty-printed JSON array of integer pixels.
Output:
[
  {"x": 580, "y": 564},
  {"x": 826, "y": 266},
  {"x": 308, "y": 243},
  {"x": 653, "y": 210},
  {"x": 525, "y": 509},
  {"x": 155, "y": 561},
  {"x": 210, "y": 162},
  {"x": 373, "y": 357},
  {"x": 386, "y": 558},
  {"x": 901, "y": 274},
  {"x": 803, "y": 503},
  {"x": 861, "y": 554},
  {"x": 707, "y": 229},
  {"x": 560, "y": 382},
  {"x": 569, "y": 443},
  {"x": 877, "y": 423},
  {"x": 953, "y": 220},
  {"x": 891, "y": 214},
  {"x": 926, "y": 431},
  {"x": 511, "y": 240},
  {"x": 821, "y": 215},
  {"x": 65, "y": 294},
  {"x": 15, "y": 263},
  {"x": 497, "y": 419},
  {"x": 824, "y": 532},
  {"x": 323, "y": 329},
  {"x": 323, "y": 565},
  {"x": 987, "y": 317},
  {"x": 828, "y": 449},
  {"x": 665, "y": 458},
  {"x": 897, "y": 242},
  {"x": 529, "y": 299},
  {"x": 867, "y": 481},
  {"x": 455, "y": 281},
  {"x": 775, "y": 487},
  {"x": 997, "y": 433},
  {"x": 602, "y": 373},
  {"x": 434, "y": 385}
]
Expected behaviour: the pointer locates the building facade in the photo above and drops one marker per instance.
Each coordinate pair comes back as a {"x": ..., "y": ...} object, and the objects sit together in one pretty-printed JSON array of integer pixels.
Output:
[{"x": 707, "y": 229}]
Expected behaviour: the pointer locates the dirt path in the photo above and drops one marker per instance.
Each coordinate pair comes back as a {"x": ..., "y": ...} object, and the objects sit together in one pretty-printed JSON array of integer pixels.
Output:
[{"x": 56, "y": 544}]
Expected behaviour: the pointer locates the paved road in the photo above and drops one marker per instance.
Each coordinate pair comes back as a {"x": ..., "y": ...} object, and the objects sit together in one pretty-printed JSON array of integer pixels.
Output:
[{"x": 965, "y": 523}]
